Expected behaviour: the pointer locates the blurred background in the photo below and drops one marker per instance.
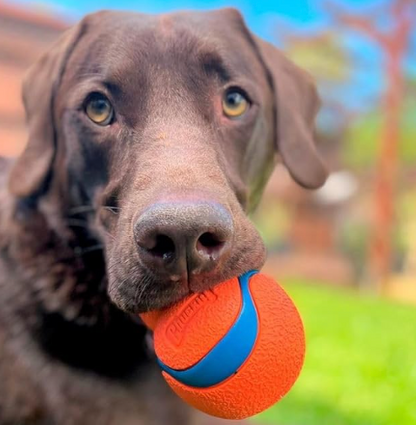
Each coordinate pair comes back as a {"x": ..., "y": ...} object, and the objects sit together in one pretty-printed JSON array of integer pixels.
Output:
[{"x": 347, "y": 252}]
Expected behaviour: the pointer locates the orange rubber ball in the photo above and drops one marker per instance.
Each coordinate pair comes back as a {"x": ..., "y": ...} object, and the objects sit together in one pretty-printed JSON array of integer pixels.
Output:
[{"x": 231, "y": 351}]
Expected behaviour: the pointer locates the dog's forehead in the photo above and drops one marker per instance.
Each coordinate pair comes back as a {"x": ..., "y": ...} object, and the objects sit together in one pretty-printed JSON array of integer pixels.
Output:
[{"x": 116, "y": 41}]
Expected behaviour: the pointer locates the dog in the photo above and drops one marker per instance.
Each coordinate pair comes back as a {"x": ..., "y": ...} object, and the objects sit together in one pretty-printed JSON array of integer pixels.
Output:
[{"x": 151, "y": 138}]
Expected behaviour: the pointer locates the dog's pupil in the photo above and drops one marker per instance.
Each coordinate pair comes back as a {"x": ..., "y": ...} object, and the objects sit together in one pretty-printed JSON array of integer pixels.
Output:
[
  {"x": 234, "y": 99},
  {"x": 100, "y": 106}
]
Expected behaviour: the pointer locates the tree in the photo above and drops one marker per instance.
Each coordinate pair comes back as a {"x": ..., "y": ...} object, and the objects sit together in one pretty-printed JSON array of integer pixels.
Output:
[{"x": 394, "y": 43}]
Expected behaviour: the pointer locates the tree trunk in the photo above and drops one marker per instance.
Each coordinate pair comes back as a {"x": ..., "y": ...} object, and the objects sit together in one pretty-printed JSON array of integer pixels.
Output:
[{"x": 381, "y": 248}]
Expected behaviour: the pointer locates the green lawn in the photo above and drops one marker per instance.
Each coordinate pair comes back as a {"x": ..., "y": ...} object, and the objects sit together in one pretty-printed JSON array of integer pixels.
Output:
[{"x": 360, "y": 364}]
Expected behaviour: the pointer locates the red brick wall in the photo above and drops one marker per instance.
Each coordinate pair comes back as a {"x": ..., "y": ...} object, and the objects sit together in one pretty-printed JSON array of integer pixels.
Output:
[{"x": 24, "y": 36}]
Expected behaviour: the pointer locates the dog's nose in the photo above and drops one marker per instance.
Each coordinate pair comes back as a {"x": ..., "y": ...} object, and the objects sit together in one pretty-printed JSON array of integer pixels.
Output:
[{"x": 179, "y": 238}]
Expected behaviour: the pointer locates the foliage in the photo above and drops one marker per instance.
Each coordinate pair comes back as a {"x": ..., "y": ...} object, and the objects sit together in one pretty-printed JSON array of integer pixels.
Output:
[
  {"x": 354, "y": 236},
  {"x": 322, "y": 55},
  {"x": 363, "y": 138},
  {"x": 406, "y": 216},
  {"x": 272, "y": 220},
  {"x": 359, "y": 368}
]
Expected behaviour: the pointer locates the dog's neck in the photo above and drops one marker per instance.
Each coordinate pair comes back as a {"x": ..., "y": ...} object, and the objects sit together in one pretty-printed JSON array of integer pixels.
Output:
[
  {"x": 70, "y": 278},
  {"x": 68, "y": 308}
]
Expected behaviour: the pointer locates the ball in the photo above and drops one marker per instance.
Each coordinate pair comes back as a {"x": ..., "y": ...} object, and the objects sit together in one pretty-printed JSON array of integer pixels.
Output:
[{"x": 231, "y": 351}]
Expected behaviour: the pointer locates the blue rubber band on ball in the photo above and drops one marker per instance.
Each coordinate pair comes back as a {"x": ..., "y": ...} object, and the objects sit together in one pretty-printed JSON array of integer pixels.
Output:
[{"x": 229, "y": 354}]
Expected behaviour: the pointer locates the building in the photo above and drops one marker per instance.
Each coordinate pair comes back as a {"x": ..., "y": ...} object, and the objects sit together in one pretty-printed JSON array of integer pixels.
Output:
[{"x": 24, "y": 35}]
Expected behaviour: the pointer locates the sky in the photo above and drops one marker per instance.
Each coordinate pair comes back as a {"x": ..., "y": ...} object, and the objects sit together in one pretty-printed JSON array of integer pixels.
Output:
[
  {"x": 259, "y": 14},
  {"x": 264, "y": 17}
]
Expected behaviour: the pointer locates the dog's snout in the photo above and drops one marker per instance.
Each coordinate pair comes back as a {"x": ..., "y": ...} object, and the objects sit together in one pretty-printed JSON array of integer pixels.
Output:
[{"x": 179, "y": 238}]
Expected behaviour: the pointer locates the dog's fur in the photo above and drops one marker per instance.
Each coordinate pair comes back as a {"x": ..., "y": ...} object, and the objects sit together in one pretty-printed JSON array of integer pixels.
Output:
[{"x": 69, "y": 269}]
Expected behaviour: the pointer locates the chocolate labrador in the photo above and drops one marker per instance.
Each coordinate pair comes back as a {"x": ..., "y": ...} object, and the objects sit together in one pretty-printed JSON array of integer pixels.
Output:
[{"x": 150, "y": 139}]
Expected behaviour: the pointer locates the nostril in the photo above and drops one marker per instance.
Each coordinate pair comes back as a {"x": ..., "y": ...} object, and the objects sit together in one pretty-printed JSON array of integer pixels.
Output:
[
  {"x": 182, "y": 238},
  {"x": 163, "y": 246},
  {"x": 209, "y": 244}
]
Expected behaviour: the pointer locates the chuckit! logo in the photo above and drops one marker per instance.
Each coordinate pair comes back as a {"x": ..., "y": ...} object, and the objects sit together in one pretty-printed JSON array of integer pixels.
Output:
[{"x": 174, "y": 329}]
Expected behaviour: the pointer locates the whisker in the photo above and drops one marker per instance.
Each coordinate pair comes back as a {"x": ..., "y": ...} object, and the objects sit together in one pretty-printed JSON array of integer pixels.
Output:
[
  {"x": 141, "y": 289},
  {"x": 109, "y": 235},
  {"x": 114, "y": 210},
  {"x": 81, "y": 209},
  {"x": 89, "y": 249}
]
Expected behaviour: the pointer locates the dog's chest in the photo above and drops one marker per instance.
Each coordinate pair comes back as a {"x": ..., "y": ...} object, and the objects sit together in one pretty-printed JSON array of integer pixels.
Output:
[
  {"x": 38, "y": 389},
  {"x": 145, "y": 400},
  {"x": 59, "y": 395}
]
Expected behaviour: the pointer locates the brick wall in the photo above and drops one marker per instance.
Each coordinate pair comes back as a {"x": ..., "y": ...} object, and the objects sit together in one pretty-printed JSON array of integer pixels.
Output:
[{"x": 24, "y": 36}]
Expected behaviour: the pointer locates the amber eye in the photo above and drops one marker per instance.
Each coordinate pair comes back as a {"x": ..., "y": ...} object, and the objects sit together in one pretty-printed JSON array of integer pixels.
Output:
[
  {"x": 234, "y": 103},
  {"x": 99, "y": 109}
]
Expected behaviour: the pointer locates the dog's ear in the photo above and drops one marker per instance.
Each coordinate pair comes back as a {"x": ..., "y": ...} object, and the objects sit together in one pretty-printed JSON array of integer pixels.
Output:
[
  {"x": 30, "y": 172},
  {"x": 296, "y": 106}
]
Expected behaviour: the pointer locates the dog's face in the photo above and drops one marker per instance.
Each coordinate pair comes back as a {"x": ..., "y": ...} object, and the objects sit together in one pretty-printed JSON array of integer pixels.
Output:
[{"x": 169, "y": 127}]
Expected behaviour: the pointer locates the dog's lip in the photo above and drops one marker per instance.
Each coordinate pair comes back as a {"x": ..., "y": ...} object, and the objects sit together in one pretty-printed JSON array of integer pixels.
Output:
[
  {"x": 168, "y": 300},
  {"x": 168, "y": 289},
  {"x": 173, "y": 290}
]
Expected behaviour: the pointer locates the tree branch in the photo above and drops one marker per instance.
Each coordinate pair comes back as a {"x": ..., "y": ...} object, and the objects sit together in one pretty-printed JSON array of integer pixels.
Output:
[
  {"x": 402, "y": 9},
  {"x": 366, "y": 26}
]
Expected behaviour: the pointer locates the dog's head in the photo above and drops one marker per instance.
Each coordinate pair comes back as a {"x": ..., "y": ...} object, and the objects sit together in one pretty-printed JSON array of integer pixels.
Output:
[{"x": 168, "y": 126}]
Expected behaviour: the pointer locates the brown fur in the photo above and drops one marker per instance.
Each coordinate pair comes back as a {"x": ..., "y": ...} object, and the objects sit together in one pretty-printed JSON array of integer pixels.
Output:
[{"x": 69, "y": 354}]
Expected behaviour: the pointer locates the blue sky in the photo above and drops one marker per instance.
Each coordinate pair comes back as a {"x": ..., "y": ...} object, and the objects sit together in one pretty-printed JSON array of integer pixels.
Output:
[
  {"x": 259, "y": 14},
  {"x": 263, "y": 17}
]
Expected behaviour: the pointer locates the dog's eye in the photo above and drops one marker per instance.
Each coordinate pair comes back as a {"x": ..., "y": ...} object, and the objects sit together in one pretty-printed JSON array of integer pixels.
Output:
[
  {"x": 99, "y": 109},
  {"x": 234, "y": 103}
]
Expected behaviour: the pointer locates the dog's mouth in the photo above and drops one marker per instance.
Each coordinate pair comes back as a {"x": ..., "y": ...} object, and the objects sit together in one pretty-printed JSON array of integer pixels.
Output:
[
  {"x": 137, "y": 289},
  {"x": 152, "y": 292},
  {"x": 163, "y": 296},
  {"x": 176, "y": 249}
]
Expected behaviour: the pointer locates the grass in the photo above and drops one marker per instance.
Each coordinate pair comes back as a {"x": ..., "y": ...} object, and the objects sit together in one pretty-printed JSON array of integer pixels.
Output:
[{"x": 360, "y": 366}]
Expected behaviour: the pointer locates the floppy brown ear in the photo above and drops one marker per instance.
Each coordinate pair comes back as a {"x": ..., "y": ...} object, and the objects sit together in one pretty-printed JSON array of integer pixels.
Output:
[
  {"x": 296, "y": 105},
  {"x": 30, "y": 172}
]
